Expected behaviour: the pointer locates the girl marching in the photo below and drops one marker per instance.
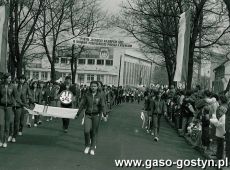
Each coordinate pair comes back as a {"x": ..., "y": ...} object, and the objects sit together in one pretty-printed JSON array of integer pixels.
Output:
[{"x": 94, "y": 105}]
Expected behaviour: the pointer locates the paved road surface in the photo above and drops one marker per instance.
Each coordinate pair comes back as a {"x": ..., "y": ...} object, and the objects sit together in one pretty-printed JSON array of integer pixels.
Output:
[{"x": 48, "y": 148}]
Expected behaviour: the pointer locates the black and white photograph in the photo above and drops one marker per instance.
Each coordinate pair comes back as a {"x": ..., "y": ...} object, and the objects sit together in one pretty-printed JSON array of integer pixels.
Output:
[{"x": 114, "y": 84}]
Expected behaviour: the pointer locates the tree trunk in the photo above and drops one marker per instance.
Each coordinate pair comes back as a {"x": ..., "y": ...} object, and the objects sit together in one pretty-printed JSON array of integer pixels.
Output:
[
  {"x": 11, "y": 62},
  {"x": 73, "y": 64},
  {"x": 53, "y": 72},
  {"x": 190, "y": 69}
]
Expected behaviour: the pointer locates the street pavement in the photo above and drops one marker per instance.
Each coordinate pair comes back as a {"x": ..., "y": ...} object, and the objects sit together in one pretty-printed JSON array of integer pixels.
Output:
[{"x": 48, "y": 148}]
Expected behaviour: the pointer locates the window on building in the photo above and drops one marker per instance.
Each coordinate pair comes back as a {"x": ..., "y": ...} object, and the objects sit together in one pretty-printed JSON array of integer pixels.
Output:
[
  {"x": 57, "y": 60},
  {"x": 64, "y": 60},
  {"x": 44, "y": 76},
  {"x": 27, "y": 73},
  {"x": 81, "y": 78},
  {"x": 100, "y": 62},
  {"x": 81, "y": 61},
  {"x": 35, "y": 75},
  {"x": 90, "y": 77},
  {"x": 91, "y": 61},
  {"x": 100, "y": 78},
  {"x": 109, "y": 62},
  {"x": 36, "y": 65}
]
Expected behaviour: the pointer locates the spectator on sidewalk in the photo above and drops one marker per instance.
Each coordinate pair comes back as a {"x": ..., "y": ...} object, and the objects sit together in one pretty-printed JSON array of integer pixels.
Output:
[
  {"x": 227, "y": 136},
  {"x": 219, "y": 122}
]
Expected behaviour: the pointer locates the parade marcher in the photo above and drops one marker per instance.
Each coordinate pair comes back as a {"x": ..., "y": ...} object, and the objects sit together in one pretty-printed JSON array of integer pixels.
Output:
[
  {"x": 8, "y": 97},
  {"x": 158, "y": 108},
  {"x": 147, "y": 109},
  {"x": 67, "y": 92},
  {"x": 94, "y": 104},
  {"x": 24, "y": 96},
  {"x": 50, "y": 96},
  {"x": 36, "y": 97}
]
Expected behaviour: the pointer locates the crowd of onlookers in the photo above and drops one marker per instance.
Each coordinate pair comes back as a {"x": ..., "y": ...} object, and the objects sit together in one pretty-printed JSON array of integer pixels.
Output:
[
  {"x": 18, "y": 94},
  {"x": 200, "y": 115}
]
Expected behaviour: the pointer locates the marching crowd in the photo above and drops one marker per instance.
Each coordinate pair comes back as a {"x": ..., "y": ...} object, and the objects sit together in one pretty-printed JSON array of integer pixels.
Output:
[
  {"x": 197, "y": 113},
  {"x": 95, "y": 101}
]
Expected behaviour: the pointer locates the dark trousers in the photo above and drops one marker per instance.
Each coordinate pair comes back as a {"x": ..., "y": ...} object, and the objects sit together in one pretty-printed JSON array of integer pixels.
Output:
[
  {"x": 91, "y": 129},
  {"x": 65, "y": 123},
  {"x": 5, "y": 119},
  {"x": 220, "y": 148},
  {"x": 156, "y": 120},
  {"x": 205, "y": 136},
  {"x": 21, "y": 118},
  {"x": 227, "y": 139},
  {"x": 17, "y": 116}
]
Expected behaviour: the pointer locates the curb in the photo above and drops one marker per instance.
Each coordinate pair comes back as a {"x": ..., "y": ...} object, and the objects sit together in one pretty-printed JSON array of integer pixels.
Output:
[{"x": 188, "y": 140}]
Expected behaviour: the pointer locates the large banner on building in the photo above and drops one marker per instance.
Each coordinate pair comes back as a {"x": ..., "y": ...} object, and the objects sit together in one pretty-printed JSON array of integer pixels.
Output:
[
  {"x": 100, "y": 42},
  {"x": 183, "y": 48},
  {"x": 3, "y": 37}
]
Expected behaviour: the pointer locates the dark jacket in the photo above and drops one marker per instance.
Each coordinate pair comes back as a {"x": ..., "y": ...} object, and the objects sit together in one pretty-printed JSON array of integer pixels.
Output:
[
  {"x": 23, "y": 94},
  {"x": 92, "y": 104},
  {"x": 49, "y": 94},
  {"x": 36, "y": 96},
  {"x": 147, "y": 103},
  {"x": 158, "y": 106},
  {"x": 8, "y": 96}
]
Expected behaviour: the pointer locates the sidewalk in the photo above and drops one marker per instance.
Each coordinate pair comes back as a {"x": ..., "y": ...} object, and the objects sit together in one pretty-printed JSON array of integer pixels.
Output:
[{"x": 207, "y": 154}]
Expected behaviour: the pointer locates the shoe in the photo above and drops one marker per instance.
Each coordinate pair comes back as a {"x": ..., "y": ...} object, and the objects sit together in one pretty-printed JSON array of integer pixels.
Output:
[
  {"x": 92, "y": 152},
  {"x": 39, "y": 122},
  {"x": 65, "y": 130},
  {"x": 156, "y": 139},
  {"x": 86, "y": 151},
  {"x": 4, "y": 145},
  {"x": 1, "y": 144},
  {"x": 19, "y": 133},
  {"x": 152, "y": 134},
  {"x": 47, "y": 120},
  {"x": 9, "y": 138},
  {"x": 35, "y": 125},
  {"x": 13, "y": 140},
  {"x": 147, "y": 131},
  {"x": 28, "y": 125}
]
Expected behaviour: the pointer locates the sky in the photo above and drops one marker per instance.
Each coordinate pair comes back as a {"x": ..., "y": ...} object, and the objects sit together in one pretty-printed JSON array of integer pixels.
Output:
[{"x": 112, "y": 6}]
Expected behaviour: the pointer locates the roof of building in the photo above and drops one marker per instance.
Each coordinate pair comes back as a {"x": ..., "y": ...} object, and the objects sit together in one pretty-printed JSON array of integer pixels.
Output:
[
  {"x": 137, "y": 54},
  {"x": 222, "y": 64}
]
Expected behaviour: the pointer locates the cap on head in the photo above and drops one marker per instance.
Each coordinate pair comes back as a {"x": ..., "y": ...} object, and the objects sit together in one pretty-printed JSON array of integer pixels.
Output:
[{"x": 68, "y": 78}]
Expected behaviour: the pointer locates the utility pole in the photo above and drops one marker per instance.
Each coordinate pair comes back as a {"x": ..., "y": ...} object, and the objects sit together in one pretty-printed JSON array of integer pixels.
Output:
[{"x": 119, "y": 71}]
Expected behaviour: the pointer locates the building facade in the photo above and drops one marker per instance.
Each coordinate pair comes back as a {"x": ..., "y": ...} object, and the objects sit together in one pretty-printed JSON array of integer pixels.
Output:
[{"x": 112, "y": 66}]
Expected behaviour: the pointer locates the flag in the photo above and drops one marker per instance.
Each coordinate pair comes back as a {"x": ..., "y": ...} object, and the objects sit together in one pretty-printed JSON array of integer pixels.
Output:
[
  {"x": 183, "y": 48},
  {"x": 4, "y": 16}
]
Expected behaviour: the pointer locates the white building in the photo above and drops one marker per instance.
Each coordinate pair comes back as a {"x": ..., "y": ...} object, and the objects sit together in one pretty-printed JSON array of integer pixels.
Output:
[{"x": 98, "y": 63}]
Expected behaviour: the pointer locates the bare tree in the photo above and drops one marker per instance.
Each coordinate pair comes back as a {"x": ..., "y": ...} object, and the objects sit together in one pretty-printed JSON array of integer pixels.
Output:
[
  {"x": 155, "y": 25},
  {"x": 23, "y": 17},
  {"x": 51, "y": 25},
  {"x": 85, "y": 19}
]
